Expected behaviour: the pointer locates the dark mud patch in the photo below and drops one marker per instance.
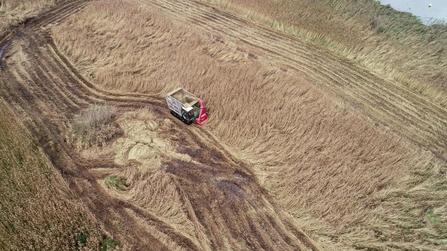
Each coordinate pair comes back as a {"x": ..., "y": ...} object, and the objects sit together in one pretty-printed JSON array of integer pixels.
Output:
[{"x": 2, "y": 50}]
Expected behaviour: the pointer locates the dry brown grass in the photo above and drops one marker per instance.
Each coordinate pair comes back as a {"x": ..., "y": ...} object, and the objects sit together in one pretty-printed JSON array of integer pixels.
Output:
[
  {"x": 347, "y": 181},
  {"x": 37, "y": 208}
]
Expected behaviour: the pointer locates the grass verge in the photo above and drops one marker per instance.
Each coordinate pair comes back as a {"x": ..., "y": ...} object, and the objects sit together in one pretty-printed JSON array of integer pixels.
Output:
[{"x": 115, "y": 182}]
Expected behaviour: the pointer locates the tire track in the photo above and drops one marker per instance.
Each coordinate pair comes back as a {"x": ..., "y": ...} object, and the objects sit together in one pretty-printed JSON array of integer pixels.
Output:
[
  {"x": 57, "y": 13},
  {"x": 94, "y": 91}
]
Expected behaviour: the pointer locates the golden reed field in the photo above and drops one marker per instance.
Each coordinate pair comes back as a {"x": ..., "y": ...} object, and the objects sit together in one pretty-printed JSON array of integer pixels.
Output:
[{"x": 327, "y": 126}]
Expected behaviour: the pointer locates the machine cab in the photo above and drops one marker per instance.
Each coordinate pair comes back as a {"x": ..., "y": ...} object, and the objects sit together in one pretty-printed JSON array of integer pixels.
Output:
[{"x": 188, "y": 114}]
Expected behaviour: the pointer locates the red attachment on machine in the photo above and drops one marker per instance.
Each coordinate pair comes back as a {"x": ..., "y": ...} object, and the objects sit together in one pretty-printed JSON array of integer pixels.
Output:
[
  {"x": 186, "y": 107},
  {"x": 202, "y": 115}
]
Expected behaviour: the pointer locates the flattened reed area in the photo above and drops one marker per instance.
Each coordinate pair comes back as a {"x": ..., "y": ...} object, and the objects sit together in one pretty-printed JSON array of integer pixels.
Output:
[{"x": 348, "y": 181}]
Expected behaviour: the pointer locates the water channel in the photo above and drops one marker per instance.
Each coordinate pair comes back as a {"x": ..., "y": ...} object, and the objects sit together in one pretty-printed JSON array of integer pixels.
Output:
[{"x": 428, "y": 11}]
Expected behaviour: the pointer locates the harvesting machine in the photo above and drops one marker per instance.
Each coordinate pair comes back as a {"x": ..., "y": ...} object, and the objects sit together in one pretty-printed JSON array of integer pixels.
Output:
[{"x": 186, "y": 107}]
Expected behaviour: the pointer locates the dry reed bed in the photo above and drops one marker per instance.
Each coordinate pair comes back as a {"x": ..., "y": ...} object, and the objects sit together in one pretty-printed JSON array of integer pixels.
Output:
[
  {"x": 319, "y": 157},
  {"x": 37, "y": 211}
]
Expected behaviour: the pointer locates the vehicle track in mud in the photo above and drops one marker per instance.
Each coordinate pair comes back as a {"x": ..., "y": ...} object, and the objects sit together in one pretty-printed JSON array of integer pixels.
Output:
[
  {"x": 415, "y": 117},
  {"x": 46, "y": 92}
]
